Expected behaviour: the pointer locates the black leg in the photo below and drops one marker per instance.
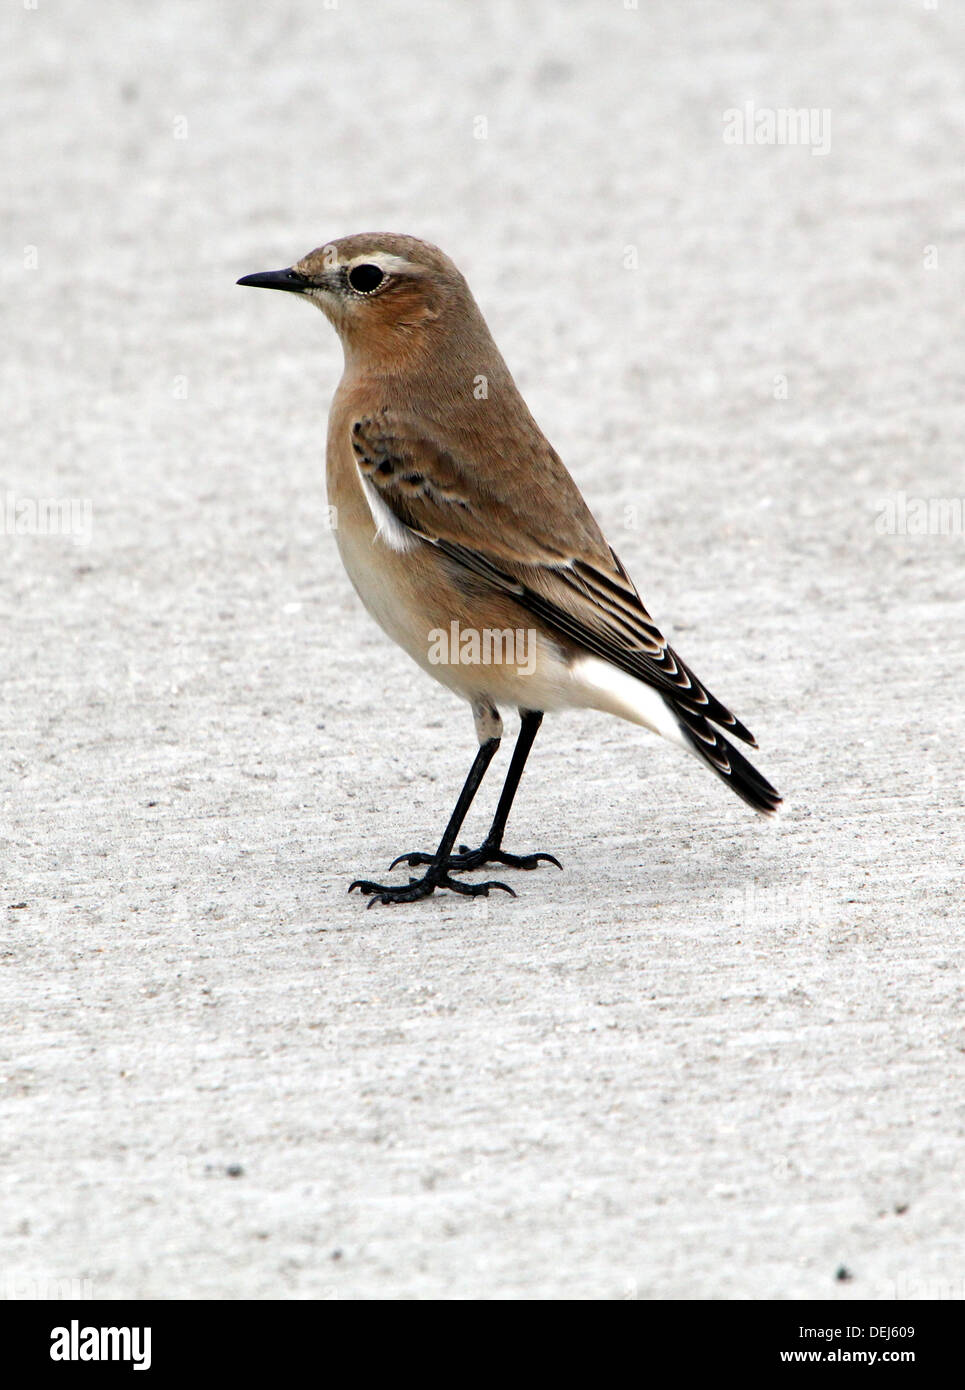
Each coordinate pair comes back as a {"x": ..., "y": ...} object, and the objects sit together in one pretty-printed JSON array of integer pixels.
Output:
[
  {"x": 438, "y": 872},
  {"x": 491, "y": 850}
]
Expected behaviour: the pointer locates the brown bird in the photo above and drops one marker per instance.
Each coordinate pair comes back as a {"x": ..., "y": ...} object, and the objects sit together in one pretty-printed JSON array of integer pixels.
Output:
[{"x": 471, "y": 545}]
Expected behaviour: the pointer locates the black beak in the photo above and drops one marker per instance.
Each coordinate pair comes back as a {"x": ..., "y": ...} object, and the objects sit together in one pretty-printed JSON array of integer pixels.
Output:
[{"x": 278, "y": 280}]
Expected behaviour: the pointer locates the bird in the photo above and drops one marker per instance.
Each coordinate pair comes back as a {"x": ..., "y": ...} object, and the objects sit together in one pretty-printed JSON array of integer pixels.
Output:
[{"x": 471, "y": 545}]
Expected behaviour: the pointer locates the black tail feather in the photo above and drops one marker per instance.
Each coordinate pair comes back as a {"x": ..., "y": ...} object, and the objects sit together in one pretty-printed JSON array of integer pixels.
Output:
[
  {"x": 711, "y": 708},
  {"x": 730, "y": 765}
]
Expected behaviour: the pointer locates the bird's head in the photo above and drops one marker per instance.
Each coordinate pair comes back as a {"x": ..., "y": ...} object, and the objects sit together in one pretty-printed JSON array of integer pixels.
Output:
[{"x": 384, "y": 294}]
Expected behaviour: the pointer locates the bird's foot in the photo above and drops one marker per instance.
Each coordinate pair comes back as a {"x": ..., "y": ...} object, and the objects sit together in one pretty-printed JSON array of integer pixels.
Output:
[
  {"x": 468, "y": 859},
  {"x": 418, "y": 888}
]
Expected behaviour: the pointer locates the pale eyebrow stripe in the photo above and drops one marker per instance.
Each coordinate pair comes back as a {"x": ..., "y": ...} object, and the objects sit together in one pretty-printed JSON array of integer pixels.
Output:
[{"x": 385, "y": 261}]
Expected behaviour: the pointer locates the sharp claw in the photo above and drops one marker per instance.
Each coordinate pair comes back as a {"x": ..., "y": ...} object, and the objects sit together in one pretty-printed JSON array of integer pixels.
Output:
[
  {"x": 505, "y": 886},
  {"x": 412, "y": 858}
]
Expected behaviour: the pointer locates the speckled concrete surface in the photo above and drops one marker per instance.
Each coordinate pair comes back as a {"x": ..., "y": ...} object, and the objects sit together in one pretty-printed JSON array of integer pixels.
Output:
[{"x": 713, "y": 1057}]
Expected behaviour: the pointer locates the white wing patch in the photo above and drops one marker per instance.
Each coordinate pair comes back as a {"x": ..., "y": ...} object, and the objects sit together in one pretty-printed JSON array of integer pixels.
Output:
[{"x": 388, "y": 528}]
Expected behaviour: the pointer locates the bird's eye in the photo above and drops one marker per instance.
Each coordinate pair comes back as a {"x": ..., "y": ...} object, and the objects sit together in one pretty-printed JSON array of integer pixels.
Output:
[{"x": 365, "y": 278}]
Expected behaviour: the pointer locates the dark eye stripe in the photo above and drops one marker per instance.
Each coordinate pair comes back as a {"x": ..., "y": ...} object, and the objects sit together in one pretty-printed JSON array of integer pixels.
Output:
[{"x": 365, "y": 278}]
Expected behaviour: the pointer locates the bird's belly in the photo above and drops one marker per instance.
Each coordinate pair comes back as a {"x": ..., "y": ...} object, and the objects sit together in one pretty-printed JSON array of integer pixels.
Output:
[
  {"x": 475, "y": 650},
  {"x": 478, "y": 645},
  {"x": 384, "y": 586}
]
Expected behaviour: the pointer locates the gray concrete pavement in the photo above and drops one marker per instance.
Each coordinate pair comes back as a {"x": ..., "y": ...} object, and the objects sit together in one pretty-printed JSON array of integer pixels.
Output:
[{"x": 714, "y": 1057}]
